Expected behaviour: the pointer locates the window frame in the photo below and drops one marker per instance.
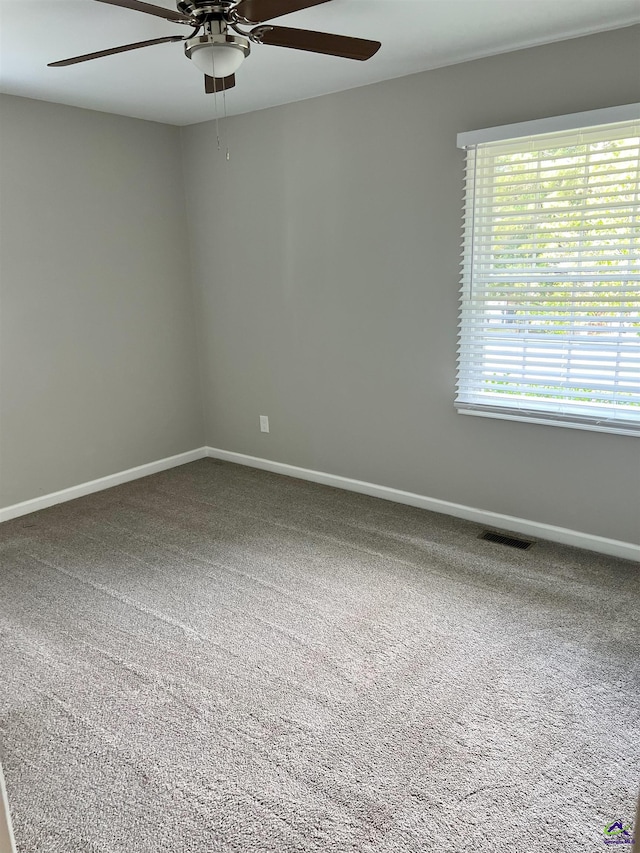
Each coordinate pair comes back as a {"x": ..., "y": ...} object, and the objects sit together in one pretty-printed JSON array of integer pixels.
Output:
[{"x": 546, "y": 414}]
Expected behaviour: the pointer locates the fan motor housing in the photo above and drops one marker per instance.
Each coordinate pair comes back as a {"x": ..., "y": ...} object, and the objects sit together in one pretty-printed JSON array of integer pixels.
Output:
[
  {"x": 217, "y": 38},
  {"x": 202, "y": 9}
]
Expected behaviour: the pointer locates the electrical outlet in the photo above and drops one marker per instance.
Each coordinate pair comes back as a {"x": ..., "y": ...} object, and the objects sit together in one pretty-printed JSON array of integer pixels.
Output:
[{"x": 264, "y": 423}]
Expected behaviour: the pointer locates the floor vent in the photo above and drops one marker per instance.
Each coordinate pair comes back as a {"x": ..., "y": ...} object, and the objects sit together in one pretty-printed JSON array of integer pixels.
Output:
[{"x": 501, "y": 539}]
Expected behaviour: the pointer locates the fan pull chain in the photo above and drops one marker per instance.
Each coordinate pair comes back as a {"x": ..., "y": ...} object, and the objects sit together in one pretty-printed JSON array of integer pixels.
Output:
[
  {"x": 215, "y": 106},
  {"x": 215, "y": 99},
  {"x": 224, "y": 105}
]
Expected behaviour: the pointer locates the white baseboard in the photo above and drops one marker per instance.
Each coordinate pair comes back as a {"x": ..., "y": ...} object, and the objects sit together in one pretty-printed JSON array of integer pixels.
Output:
[
  {"x": 73, "y": 492},
  {"x": 611, "y": 547}
]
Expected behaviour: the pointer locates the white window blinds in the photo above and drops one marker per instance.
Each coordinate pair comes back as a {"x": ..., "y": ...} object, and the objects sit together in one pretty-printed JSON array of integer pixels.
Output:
[{"x": 550, "y": 316}]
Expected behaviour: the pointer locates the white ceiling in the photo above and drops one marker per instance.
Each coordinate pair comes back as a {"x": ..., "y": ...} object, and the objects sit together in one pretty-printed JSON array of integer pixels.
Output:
[{"x": 159, "y": 83}]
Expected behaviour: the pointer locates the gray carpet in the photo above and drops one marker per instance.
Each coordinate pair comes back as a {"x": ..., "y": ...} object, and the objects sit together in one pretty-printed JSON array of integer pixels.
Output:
[{"x": 221, "y": 659}]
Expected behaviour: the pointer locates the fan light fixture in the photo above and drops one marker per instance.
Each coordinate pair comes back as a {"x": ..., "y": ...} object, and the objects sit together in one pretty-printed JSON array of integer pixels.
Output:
[{"x": 217, "y": 55}]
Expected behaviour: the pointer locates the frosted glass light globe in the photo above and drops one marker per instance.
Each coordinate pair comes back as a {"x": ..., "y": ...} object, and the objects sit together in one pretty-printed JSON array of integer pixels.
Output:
[{"x": 218, "y": 60}]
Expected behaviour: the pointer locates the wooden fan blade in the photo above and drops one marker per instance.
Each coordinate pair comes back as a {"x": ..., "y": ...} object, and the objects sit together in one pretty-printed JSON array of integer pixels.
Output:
[
  {"x": 147, "y": 8},
  {"x": 349, "y": 48},
  {"x": 257, "y": 11},
  {"x": 121, "y": 49},
  {"x": 218, "y": 84}
]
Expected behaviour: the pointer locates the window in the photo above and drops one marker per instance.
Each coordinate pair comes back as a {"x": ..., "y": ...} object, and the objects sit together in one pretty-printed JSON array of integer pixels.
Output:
[{"x": 550, "y": 315}]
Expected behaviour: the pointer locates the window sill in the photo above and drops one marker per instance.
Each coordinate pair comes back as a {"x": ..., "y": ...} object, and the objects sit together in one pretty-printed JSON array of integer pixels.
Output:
[{"x": 619, "y": 429}]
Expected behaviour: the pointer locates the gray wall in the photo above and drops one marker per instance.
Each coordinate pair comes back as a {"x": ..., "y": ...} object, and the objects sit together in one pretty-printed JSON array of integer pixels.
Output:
[
  {"x": 326, "y": 266},
  {"x": 97, "y": 345}
]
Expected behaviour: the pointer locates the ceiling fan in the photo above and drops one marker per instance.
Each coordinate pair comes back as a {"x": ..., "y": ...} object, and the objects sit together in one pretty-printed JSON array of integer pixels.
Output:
[{"x": 217, "y": 52}]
